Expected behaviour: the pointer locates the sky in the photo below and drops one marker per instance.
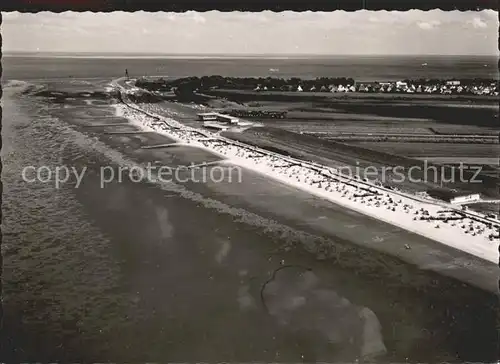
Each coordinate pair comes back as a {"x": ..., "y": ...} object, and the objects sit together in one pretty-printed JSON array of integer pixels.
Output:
[{"x": 239, "y": 33}]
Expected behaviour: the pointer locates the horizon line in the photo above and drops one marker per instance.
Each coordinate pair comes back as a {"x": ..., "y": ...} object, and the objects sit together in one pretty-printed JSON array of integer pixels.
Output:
[{"x": 228, "y": 55}]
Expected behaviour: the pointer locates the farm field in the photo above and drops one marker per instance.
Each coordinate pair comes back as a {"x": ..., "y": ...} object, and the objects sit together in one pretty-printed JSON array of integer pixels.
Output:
[
  {"x": 339, "y": 115},
  {"x": 271, "y": 95},
  {"x": 382, "y": 129},
  {"x": 483, "y": 117},
  {"x": 456, "y": 151},
  {"x": 445, "y": 119},
  {"x": 452, "y": 129},
  {"x": 445, "y": 114},
  {"x": 488, "y": 161},
  {"x": 408, "y": 138},
  {"x": 342, "y": 127},
  {"x": 488, "y": 208}
]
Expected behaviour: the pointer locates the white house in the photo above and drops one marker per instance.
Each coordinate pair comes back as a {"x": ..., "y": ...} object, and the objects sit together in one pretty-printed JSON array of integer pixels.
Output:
[
  {"x": 299, "y": 88},
  {"x": 466, "y": 198}
]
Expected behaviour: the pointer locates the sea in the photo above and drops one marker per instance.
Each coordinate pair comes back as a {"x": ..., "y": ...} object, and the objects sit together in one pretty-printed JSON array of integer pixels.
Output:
[
  {"x": 360, "y": 68},
  {"x": 208, "y": 271}
]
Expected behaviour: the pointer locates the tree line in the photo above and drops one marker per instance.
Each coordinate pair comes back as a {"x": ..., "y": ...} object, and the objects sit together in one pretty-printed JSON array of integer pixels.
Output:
[
  {"x": 189, "y": 87},
  {"x": 207, "y": 83}
]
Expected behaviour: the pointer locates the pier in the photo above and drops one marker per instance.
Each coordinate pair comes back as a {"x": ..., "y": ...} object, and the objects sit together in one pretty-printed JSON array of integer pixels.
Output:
[{"x": 127, "y": 132}]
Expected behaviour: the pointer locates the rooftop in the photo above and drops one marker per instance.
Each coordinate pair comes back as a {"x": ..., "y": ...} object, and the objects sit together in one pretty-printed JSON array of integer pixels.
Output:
[{"x": 447, "y": 194}]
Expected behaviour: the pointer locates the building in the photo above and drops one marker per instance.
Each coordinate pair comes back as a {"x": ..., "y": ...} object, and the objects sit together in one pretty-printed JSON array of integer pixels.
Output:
[
  {"x": 453, "y": 196},
  {"x": 453, "y": 83},
  {"x": 245, "y": 113},
  {"x": 215, "y": 126},
  {"x": 228, "y": 119},
  {"x": 466, "y": 198},
  {"x": 207, "y": 116}
]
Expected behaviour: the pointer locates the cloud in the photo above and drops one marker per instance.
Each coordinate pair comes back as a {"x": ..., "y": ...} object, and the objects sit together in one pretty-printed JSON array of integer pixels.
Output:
[
  {"x": 262, "y": 18},
  {"x": 10, "y": 16},
  {"x": 491, "y": 13},
  {"x": 425, "y": 26},
  {"x": 429, "y": 25},
  {"x": 197, "y": 18},
  {"x": 478, "y": 23},
  {"x": 338, "y": 32}
]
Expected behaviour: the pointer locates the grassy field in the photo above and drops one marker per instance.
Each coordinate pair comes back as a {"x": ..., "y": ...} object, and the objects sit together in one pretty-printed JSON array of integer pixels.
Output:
[
  {"x": 330, "y": 129},
  {"x": 484, "y": 117},
  {"x": 380, "y": 129},
  {"x": 417, "y": 150},
  {"x": 460, "y": 114},
  {"x": 446, "y": 130},
  {"x": 489, "y": 208},
  {"x": 276, "y": 95}
]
